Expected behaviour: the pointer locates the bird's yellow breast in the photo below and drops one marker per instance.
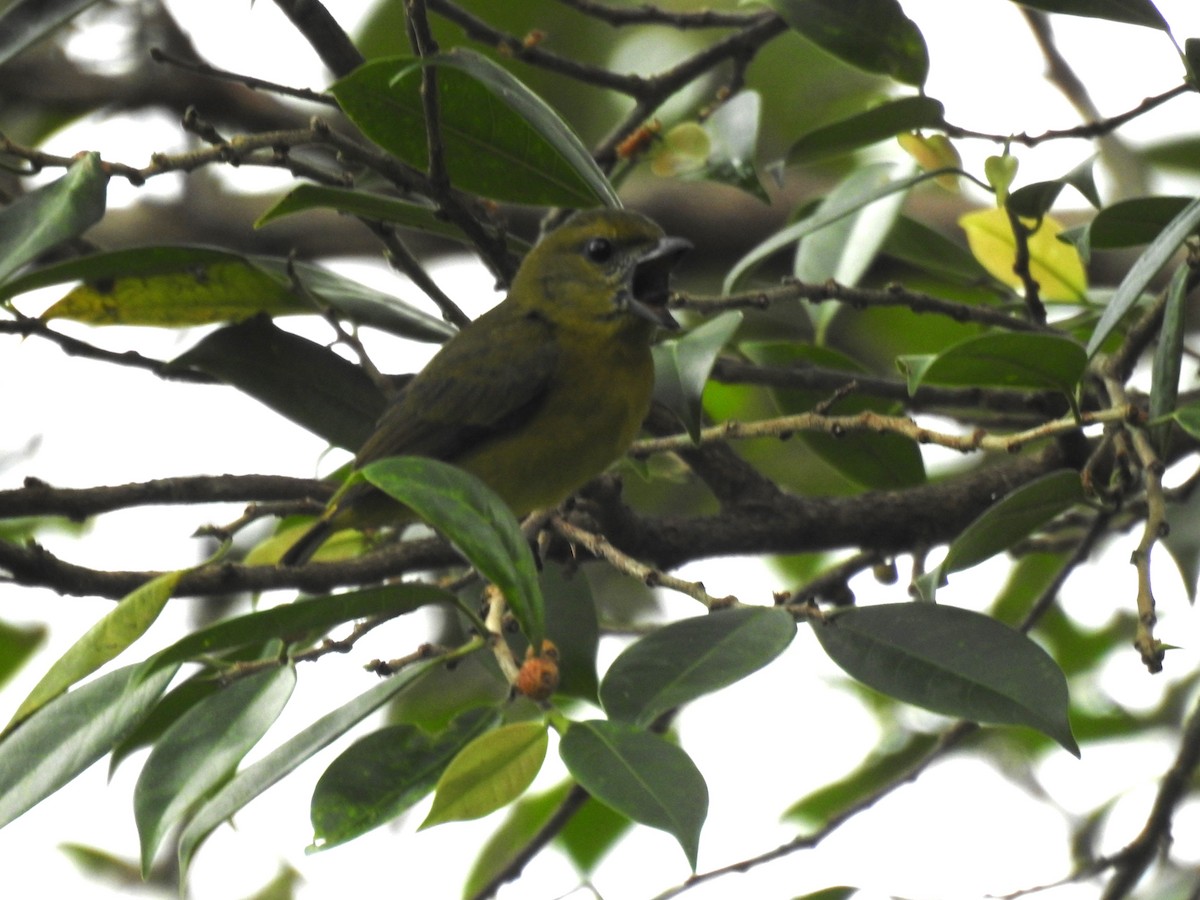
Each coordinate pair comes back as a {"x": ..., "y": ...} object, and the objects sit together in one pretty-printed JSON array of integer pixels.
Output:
[{"x": 600, "y": 394}]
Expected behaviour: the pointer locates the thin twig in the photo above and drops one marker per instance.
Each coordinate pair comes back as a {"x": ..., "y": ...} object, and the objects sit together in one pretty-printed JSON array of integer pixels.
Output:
[
  {"x": 598, "y": 545},
  {"x": 946, "y": 742},
  {"x": 857, "y": 298},
  {"x": 785, "y": 426}
]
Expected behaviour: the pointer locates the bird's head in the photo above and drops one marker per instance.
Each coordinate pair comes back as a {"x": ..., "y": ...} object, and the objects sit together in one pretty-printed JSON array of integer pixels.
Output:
[{"x": 606, "y": 265}]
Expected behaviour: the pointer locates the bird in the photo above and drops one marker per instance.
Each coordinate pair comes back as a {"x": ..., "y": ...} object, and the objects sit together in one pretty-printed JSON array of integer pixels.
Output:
[{"x": 543, "y": 391}]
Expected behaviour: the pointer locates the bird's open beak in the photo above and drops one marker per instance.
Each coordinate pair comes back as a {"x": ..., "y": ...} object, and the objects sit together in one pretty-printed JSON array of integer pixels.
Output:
[{"x": 652, "y": 281}]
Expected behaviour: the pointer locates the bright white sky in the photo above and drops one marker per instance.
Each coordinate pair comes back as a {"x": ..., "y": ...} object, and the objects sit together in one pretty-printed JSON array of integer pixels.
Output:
[{"x": 923, "y": 842}]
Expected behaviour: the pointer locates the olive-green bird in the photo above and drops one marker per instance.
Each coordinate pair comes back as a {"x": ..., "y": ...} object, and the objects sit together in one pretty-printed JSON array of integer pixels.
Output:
[{"x": 546, "y": 389}]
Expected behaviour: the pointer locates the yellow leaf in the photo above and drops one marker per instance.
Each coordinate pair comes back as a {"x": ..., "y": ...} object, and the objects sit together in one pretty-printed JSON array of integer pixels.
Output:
[
  {"x": 684, "y": 149},
  {"x": 933, "y": 152},
  {"x": 1054, "y": 265},
  {"x": 218, "y": 292}
]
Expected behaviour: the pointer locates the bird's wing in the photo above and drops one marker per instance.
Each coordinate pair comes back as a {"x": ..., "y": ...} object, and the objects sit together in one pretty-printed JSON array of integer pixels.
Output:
[{"x": 484, "y": 383}]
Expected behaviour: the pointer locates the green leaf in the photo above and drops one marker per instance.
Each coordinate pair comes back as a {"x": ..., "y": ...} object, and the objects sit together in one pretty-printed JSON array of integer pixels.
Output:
[
  {"x": 191, "y": 285},
  {"x": 116, "y": 630},
  {"x": 1126, "y": 223},
  {"x": 1035, "y": 200},
  {"x": 952, "y": 661},
  {"x": 641, "y": 776},
  {"x": 308, "y": 616},
  {"x": 1168, "y": 355},
  {"x": 506, "y": 844},
  {"x": 1130, "y": 12},
  {"x": 52, "y": 214},
  {"x": 17, "y": 645},
  {"x": 682, "y": 367},
  {"x": 571, "y": 618},
  {"x": 878, "y": 771},
  {"x": 592, "y": 832},
  {"x": 845, "y": 249},
  {"x": 476, "y": 521},
  {"x": 277, "y": 764},
  {"x": 690, "y": 658},
  {"x": 733, "y": 132},
  {"x": 500, "y": 139},
  {"x": 874, "y": 35},
  {"x": 489, "y": 773},
  {"x": 879, "y": 123},
  {"x": 383, "y": 774},
  {"x": 871, "y": 460},
  {"x": 1142, "y": 272},
  {"x": 794, "y": 232},
  {"x": 26, "y": 22},
  {"x": 300, "y": 379},
  {"x": 1183, "y": 539},
  {"x": 307, "y": 197},
  {"x": 1015, "y": 516},
  {"x": 919, "y": 245},
  {"x": 1005, "y": 360},
  {"x": 201, "y": 750},
  {"x": 35, "y": 760}
]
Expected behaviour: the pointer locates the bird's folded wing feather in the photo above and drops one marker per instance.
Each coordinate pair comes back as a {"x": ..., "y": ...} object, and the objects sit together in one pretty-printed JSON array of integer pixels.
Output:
[{"x": 485, "y": 383}]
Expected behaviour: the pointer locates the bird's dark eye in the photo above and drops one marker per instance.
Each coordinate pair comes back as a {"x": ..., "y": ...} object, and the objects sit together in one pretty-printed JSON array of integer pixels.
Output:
[{"x": 598, "y": 249}]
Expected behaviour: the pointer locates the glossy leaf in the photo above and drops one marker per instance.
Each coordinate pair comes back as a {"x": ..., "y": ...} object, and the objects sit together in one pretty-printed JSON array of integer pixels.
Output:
[
  {"x": 690, "y": 658},
  {"x": 489, "y": 773},
  {"x": 1142, "y": 272},
  {"x": 300, "y": 379},
  {"x": 500, "y": 139},
  {"x": 640, "y": 775},
  {"x": 682, "y": 367},
  {"x": 877, "y": 124},
  {"x": 306, "y": 616},
  {"x": 383, "y": 774},
  {"x": 1126, "y": 223},
  {"x": 871, "y": 460},
  {"x": 874, "y": 35},
  {"x": 115, "y": 631},
  {"x": 919, "y": 245},
  {"x": 25, "y": 22},
  {"x": 201, "y": 750},
  {"x": 1168, "y": 354},
  {"x": 845, "y": 249},
  {"x": 476, "y": 521},
  {"x": 1005, "y": 360},
  {"x": 952, "y": 661},
  {"x": 794, "y": 232},
  {"x": 35, "y": 761},
  {"x": 306, "y": 197},
  {"x": 1131, "y": 12},
  {"x": 272, "y": 768},
  {"x": 1013, "y": 517},
  {"x": 52, "y": 214},
  {"x": 572, "y": 620},
  {"x": 1054, "y": 265},
  {"x": 733, "y": 132}
]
